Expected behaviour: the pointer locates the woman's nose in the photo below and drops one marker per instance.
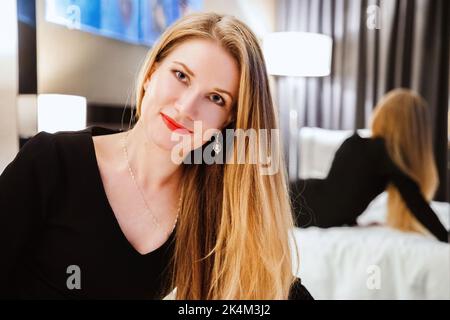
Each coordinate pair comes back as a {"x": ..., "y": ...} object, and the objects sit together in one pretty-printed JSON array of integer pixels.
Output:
[{"x": 187, "y": 104}]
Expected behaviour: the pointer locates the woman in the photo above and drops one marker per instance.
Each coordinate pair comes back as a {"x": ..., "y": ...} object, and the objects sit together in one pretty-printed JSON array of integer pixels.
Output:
[
  {"x": 397, "y": 158},
  {"x": 105, "y": 214}
]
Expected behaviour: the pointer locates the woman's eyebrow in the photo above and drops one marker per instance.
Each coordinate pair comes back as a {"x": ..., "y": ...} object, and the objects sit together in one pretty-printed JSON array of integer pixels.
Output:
[
  {"x": 225, "y": 92},
  {"x": 189, "y": 71}
]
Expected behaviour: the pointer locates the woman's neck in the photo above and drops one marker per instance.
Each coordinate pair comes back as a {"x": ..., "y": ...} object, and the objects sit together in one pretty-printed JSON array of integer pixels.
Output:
[{"x": 152, "y": 165}]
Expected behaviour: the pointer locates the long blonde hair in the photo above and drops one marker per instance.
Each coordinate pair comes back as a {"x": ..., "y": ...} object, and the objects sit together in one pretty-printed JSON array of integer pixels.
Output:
[
  {"x": 402, "y": 119},
  {"x": 232, "y": 238}
]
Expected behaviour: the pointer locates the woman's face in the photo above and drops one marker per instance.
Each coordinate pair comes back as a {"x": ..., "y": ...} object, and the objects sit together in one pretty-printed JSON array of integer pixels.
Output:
[{"x": 197, "y": 82}]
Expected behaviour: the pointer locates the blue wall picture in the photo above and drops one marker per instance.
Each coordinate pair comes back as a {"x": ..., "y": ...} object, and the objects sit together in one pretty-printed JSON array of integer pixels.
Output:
[{"x": 133, "y": 21}]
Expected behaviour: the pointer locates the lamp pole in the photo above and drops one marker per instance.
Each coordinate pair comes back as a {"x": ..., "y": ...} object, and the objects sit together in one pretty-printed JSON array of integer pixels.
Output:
[{"x": 296, "y": 54}]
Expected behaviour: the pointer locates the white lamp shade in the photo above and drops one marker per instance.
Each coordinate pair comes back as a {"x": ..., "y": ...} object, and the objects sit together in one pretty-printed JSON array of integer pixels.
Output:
[
  {"x": 57, "y": 112},
  {"x": 298, "y": 54}
]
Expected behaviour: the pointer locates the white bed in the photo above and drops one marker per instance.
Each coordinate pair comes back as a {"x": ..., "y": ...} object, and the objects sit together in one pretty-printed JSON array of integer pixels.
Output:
[{"x": 371, "y": 262}]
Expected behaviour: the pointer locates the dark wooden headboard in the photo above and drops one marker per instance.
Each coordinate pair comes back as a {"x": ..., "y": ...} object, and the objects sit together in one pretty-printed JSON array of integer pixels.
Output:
[{"x": 108, "y": 115}]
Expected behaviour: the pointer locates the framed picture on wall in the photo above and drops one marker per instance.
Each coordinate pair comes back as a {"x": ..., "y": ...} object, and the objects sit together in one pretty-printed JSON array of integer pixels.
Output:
[
  {"x": 134, "y": 21},
  {"x": 157, "y": 15}
]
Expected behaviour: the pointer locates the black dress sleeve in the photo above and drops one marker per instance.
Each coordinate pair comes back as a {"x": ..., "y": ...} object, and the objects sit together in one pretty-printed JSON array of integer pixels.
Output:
[
  {"x": 413, "y": 197},
  {"x": 24, "y": 185}
]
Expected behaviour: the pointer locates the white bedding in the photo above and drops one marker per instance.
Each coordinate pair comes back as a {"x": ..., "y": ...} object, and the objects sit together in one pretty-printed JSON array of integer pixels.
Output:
[
  {"x": 374, "y": 262},
  {"x": 344, "y": 262}
]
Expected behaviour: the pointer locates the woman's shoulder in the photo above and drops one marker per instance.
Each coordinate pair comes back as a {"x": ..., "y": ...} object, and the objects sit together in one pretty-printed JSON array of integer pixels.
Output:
[
  {"x": 37, "y": 149},
  {"x": 299, "y": 292},
  {"x": 65, "y": 141},
  {"x": 366, "y": 142},
  {"x": 49, "y": 150},
  {"x": 364, "y": 137},
  {"x": 34, "y": 164},
  {"x": 78, "y": 135},
  {"x": 354, "y": 144},
  {"x": 44, "y": 138},
  {"x": 354, "y": 139},
  {"x": 43, "y": 146}
]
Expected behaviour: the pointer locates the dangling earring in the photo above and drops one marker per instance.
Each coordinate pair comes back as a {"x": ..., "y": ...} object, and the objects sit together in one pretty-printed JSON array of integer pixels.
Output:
[{"x": 217, "y": 147}]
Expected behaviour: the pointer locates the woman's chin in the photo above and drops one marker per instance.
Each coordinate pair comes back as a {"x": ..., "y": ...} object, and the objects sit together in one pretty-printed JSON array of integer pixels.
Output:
[
  {"x": 178, "y": 148},
  {"x": 164, "y": 142}
]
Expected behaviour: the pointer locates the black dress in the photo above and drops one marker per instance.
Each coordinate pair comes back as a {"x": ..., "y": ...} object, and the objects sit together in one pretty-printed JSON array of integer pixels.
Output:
[
  {"x": 360, "y": 171},
  {"x": 59, "y": 236}
]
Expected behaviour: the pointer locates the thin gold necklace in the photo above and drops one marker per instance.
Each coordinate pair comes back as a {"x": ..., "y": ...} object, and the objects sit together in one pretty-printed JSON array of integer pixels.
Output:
[{"x": 154, "y": 219}]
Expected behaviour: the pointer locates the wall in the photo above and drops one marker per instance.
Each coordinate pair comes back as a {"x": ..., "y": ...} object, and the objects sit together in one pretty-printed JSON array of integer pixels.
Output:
[
  {"x": 75, "y": 62},
  {"x": 259, "y": 15},
  {"x": 8, "y": 82},
  {"x": 104, "y": 70}
]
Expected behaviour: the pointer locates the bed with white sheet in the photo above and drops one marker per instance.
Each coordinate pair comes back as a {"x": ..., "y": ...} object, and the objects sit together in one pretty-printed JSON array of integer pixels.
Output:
[{"x": 371, "y": 261}]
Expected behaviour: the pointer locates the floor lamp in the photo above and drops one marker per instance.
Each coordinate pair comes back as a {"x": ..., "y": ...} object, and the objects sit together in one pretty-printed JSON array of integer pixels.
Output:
[{"x": 296, "y": 54}]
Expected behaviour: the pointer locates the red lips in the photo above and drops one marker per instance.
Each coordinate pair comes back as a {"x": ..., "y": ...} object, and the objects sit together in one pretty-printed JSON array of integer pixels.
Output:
[{"x": 173, "y": 125}]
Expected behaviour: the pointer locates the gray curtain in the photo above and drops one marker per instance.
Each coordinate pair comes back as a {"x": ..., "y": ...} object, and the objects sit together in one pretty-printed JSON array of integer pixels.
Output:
[{"x": 406, "y": 47}]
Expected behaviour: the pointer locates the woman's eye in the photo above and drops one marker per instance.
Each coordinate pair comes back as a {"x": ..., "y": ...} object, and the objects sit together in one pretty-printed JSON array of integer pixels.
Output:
[
  {"x": 180, "y": 76},
  {"x": 217, "y": 99}
]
